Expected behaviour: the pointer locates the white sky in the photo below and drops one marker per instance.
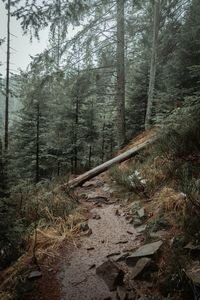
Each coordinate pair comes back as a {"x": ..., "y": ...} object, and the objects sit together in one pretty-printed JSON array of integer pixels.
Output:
[{"x": 21, "y": 43}]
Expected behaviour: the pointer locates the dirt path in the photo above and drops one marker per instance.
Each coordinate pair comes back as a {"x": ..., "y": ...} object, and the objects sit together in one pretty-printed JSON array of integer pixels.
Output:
[
  {"x": 109, "y": 236},
  {"x": 75, "y": 277}
]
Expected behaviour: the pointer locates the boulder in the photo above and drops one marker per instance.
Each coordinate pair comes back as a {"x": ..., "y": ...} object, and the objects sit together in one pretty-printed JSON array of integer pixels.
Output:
[{"x": 111, "y": 274}]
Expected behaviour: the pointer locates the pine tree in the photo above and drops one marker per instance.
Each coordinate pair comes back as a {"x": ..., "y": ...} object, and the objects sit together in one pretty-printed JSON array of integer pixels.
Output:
[{"x": 29, "y": 149}]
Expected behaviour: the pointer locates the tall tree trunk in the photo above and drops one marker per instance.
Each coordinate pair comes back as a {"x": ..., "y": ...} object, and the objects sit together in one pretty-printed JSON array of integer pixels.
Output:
[
  {"x": 103, "y": 141},
  {"x": 90, "y": 156},
  {"x": 37, "y": 165},
  {"x": 111, "y": 144},
  {"x": 7, "y": 80},
  {"x": 76, "y": 132},
  {"x": 120, "y": 73},
  {"x": 156, "y": 22},
  {"x": 58, "y": 34}
]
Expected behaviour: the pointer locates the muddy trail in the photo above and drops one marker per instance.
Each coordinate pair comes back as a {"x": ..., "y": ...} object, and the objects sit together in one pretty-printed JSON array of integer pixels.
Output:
[{"x": 107, "y": 237}]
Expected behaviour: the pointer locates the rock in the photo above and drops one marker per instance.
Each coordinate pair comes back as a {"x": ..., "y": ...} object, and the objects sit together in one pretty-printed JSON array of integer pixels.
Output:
[
  {"x": 137, "y": 222},
  {"x": 141, "y": 213},
  {"x": 87, "y": 233},
  {"x": 142, "y": 268},
  {"x": 97, "y": 197},
  {"x": 84, "y": 226},
  {"x": 96, "y": 217},
  {"x": 129, "y": 249},
  {"x": 161, "y": 224},
  {"x": 122, "y": 257},
  {"x": 117, "y": 213},
  {"x": 134, "y": 206},
  {"x": 193, "y": 273},
  {"x": 141, "y": 228},
  {"x": 111, "y": 274},
  {"x": 158, "y": 234},
  {"x": 129, "y": 219},
  {"x": 121, "y": 293},
  {"x": 35, "y": 275},
  {"x": 89, "y": 184},
  {"x": 145, "y": 250},
  {"x": 106, "y": 188}
]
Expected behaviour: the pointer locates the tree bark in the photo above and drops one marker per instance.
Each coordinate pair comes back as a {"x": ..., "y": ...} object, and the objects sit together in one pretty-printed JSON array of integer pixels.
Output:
[
  {"x": 76, "y": 132},
  {"x": 7, "y": 80},
  {"x": 153, "y": 67},
  {"x": 37, "y": 163},
  {"x": 120, "y": 74}
]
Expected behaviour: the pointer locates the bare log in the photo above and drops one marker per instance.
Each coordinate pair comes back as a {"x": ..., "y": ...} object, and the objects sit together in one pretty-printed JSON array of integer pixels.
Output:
[{"x": 108, "y": 164}]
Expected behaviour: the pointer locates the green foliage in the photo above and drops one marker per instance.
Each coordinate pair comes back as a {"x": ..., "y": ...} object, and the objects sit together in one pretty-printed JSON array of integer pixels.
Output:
[{"x": 180, "y": 135}]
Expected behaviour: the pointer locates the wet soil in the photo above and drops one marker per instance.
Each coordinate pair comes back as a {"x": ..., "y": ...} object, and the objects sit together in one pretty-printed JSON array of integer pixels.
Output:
[
  {"x": 73, "y": 275},
  {"x": 78, "y": 272}
]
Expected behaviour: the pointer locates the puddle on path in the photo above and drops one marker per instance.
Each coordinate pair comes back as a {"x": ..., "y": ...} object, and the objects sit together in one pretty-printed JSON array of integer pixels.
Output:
[{"x": 79, "y": 282}]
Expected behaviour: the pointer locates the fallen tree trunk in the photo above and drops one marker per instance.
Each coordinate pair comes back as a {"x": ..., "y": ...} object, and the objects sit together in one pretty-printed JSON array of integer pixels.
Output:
[{"x": 108, "y": 164}]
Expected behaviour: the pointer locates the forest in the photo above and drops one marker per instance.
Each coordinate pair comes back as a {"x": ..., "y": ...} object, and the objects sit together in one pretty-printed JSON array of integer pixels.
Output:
[{"x": 116, "y": 76}]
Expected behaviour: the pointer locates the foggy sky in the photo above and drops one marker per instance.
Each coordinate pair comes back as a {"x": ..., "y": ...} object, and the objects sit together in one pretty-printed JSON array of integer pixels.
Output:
[{"x": 24, "y": 48}]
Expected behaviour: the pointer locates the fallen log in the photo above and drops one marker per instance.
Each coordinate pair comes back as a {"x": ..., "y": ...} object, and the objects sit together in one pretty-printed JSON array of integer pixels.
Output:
[{"x": 108, "y": 164}]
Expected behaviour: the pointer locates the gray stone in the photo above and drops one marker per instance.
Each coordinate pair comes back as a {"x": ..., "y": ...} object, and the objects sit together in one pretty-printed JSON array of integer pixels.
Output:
[
  {"x": 134, "y": 206},
  {"x": 140, "y": 267},
  {"x": 35, "y": 275},
  {"x": 141, "y": 213},
  {"x": 87, "y": 233},
  {"x": 121, "y": 293},
  {"x": 84, "y": 226},
  {"x": 111, "y": 274},
  {"x": 97, "y": 197},
  {"x": 141, "y": 228},
  {"x": 89, "y": 184},
  {"x": 145, "y": 250},
  {"x": 161, "y": 234},
  {"x": 137, "y": 222},
  {"x": 96, "y": 217}
]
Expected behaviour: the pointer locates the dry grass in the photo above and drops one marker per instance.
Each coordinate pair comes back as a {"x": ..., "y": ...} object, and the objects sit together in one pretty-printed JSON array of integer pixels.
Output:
[
  {"x": 139, "y": 139},
  {"x": 171, "y": 201},
  {"x": 45, "y": 241}
]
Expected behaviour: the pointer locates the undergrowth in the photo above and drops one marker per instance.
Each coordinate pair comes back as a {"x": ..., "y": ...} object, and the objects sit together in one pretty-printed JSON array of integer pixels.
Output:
[{"x": 35, "y": 220}]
